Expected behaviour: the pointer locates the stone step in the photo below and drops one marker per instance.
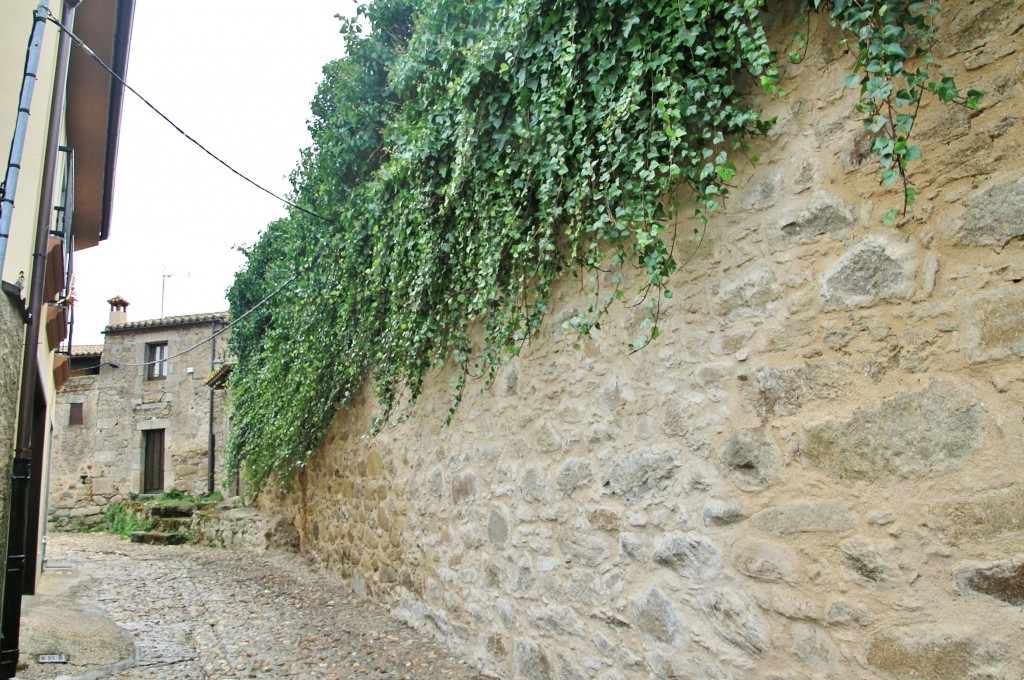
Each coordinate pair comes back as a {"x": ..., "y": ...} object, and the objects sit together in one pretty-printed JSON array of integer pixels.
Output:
[
  {"x": 172, "y": 524},
  {"x": 172, "y": 510},
  {"x": 158, "y": 538}
]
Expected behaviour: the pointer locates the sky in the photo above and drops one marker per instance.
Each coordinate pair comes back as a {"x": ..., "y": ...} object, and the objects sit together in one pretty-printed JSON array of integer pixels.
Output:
[{"x": 239, "y": 78}]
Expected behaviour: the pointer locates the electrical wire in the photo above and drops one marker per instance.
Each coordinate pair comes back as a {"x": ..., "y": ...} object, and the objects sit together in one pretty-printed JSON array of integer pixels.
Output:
[
  {"x": 78, "y": 41},
  {"x": 118, "y": 364},
  {"x": 81, "y": 43}
]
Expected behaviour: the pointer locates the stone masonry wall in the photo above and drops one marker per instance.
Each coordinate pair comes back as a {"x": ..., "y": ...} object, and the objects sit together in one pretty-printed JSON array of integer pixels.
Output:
[
  {"x": 100, "y": 462},
  {"x": 815, "y": 472},
  {"x": 12, "y": 339}
]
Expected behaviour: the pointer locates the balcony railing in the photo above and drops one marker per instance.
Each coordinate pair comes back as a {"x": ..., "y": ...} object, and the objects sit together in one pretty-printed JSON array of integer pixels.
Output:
[
  {"x": 59, "y": 291},
  {"x": 66, "y": 202}
]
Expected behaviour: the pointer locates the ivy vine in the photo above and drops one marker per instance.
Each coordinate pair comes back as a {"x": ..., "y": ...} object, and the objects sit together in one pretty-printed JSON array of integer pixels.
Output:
[
  {"x": 892, "y": 40},
  {"x": 467, "y": 153}
]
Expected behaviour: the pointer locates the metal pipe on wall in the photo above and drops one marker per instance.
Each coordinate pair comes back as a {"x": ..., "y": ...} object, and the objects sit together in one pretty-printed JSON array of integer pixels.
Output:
[
  {"x": 28, "y": 86},
  {"x": 10, "y": 619},
  {"x": 211, "y": 442},
  {"x": 13, "y": 585}
]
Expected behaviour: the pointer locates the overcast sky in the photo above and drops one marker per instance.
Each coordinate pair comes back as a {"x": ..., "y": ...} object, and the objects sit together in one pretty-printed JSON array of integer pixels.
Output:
[{"x": 239, "y": 78}]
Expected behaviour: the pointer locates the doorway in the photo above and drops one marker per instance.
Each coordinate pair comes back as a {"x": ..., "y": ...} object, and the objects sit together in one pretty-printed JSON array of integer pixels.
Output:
[{"x": 153, "y": 461}]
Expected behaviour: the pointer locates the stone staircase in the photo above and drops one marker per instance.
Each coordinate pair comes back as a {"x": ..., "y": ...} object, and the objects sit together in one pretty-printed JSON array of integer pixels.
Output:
[
  {"x": 172, "y": 523},
  {"x": 223, "y": 524}
]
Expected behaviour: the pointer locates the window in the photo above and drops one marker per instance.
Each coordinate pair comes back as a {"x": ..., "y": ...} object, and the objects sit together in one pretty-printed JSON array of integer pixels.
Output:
[
  {"x": 156, "y": 361},
  {"x": 153, "y": 461},
  {"x": 77, "y": 416}
]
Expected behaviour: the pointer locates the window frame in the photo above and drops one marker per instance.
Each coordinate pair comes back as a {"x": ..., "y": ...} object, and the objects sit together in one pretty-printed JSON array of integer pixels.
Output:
[
  {"x": 156, "y": 360},
  {"x": 76, "y": 416}
]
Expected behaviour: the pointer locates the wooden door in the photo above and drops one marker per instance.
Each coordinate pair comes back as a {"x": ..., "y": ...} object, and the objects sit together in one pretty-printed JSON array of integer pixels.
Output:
[{"x": 153, "y": 462}]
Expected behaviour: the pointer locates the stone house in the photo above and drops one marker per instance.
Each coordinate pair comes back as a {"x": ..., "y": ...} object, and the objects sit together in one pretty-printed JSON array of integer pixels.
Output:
[{"x": 137, "y": 416}]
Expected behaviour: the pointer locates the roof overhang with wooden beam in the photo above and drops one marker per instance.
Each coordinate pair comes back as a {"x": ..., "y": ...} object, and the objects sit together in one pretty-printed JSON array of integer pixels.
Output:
[{"x": 94, "y": 101}]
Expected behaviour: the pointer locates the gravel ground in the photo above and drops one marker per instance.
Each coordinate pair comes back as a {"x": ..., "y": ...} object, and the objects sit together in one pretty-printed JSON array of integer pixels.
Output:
[{"x": 196, "y": 612}]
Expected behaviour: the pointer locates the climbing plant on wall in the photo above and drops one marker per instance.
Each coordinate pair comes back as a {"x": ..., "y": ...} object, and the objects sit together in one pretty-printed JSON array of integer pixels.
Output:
[{"x": 465, "y": 154}]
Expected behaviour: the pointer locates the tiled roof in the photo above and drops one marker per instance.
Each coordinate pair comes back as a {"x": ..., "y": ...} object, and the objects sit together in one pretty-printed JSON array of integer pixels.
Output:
[
  {"x": 168, "y": 321},
  {"x": 86, "y": 350},
  {"x": 218, "y": 378}
]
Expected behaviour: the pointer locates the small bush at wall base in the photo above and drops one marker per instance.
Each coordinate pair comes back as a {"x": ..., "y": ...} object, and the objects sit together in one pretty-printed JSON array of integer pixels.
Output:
[
  {"x": 124, "y": 520},
  {"x": 172, "y": 495},
  {"x": 177, "y": 496}
]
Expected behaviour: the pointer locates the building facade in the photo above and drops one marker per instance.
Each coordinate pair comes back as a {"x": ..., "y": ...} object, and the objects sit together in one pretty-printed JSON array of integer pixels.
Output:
[
  {"x": 60, "y": 119},
  {"x": 137, "y": 417}
]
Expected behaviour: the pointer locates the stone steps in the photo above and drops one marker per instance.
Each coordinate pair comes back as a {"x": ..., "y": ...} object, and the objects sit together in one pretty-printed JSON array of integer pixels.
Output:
[
  {"x": 172, "y": 510},
  {"x": 172, "y": 524},
  {"x": 159, "y": 538}
]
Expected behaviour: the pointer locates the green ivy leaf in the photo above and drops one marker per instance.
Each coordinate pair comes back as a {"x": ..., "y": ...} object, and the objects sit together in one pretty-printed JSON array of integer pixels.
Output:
[{"x": 467, "y": 155}]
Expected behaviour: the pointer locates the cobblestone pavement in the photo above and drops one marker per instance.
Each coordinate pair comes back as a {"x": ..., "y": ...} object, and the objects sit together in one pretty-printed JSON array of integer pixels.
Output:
[{"x": 196, "y": 612}]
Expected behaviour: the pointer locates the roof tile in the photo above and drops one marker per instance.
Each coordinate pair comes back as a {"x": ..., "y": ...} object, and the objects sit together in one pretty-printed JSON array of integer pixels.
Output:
[
  {"x": 168, "y": 321},
  {"x": 86, "y": 350}
]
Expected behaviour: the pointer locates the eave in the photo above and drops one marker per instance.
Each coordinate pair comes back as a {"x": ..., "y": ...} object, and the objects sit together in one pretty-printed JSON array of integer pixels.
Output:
[
  {"x": 218, "y": 379},
  {"x": 147, "y": 325},
  {"x": 93, "y": 118}
]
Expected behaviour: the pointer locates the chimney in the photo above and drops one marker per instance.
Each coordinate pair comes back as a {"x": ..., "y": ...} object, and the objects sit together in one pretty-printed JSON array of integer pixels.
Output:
[{"x": 118, "y": 311}]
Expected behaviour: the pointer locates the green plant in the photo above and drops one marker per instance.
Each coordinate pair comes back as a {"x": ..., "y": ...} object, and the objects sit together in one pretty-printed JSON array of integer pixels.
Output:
[
  {"x": 124, "y": 520},
  {"x": 466, "y": 154},
  {"x": 892, "y": 42},
  {"x": 179, "y": 497},
  {"x": 215, "y": 497},
  {"x": 174, "y": 494}
]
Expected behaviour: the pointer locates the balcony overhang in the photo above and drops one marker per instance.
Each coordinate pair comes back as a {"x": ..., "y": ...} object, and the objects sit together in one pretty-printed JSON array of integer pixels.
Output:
[{"x": 93, "y": 113}]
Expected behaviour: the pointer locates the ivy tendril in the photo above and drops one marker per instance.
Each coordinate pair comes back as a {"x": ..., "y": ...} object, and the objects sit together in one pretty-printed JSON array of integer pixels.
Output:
[{"x": 892, "y": 40}]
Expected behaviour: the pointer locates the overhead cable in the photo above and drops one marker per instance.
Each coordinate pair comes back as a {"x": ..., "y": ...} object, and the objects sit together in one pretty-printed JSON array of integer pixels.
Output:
[
  {"x": 78, "y": 41},
  {"x": 81, "y": 43},
  {"x": 117, "y": 364}
]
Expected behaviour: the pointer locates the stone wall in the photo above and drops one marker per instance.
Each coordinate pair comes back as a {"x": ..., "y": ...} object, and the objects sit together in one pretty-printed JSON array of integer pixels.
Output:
[
  {"x": 100, "y": 462},
  {"x": 74, "y": 494},
  {"x": 12, "y": 340},
  {"x": 234, "y": 525},
  {"x": 815, "y": 472}
]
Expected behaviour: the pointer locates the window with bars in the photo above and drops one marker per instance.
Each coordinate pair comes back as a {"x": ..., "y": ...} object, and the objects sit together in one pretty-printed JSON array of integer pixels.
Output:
[{"x": 156, "y": 361}]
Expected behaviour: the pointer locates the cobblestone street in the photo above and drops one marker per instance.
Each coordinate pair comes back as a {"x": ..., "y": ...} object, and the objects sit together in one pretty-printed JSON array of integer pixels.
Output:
[{"x": 195, "y": 612}]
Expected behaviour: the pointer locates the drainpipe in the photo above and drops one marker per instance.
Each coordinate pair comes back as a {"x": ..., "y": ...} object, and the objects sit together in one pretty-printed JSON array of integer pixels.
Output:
[
  {"x": 211, "y": 442},
  {"x": 28, "y": 86},
  {"x": 46, "y": 497},
  {"x": 16, "y": 548}
]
